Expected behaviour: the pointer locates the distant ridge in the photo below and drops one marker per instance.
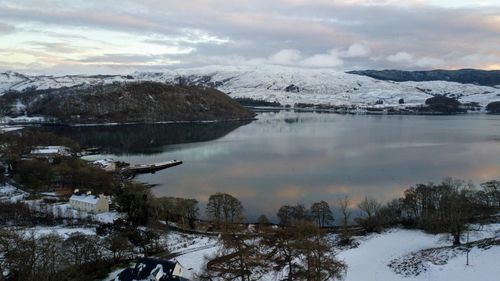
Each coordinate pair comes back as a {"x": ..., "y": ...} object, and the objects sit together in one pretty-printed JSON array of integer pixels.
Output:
[
  {"x": 273, "y": 84},
  {"x": 464, "y": 76}
]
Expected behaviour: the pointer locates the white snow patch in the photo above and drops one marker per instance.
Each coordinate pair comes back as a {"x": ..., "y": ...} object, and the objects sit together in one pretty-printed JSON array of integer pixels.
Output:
[
  {"x": 11, "y": 193},
  {"x": 23, "y": 120},
  {"x": 63, "y": 231},
  {"x": 370, "y": 260}
]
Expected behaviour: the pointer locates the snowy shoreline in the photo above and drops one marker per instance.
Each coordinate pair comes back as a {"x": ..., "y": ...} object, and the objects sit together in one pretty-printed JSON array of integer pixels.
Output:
[{"x": 8, "y": 121}]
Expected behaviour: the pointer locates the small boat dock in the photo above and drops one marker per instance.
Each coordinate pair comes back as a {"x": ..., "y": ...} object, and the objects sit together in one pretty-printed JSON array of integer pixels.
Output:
[{"x": 149, "y": 168}]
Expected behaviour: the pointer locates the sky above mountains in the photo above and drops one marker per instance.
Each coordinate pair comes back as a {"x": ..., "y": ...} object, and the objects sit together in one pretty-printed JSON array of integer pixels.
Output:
[{"x": 69, "y": 36}]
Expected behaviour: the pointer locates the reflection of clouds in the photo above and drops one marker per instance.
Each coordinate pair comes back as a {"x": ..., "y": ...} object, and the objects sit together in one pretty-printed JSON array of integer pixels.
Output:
[
  {"x": 201, "y": 188},
  {"x": 198, "y": 151},
  {"x": 357, "y": 193},
  {"x": 270, "y": 163},
  {"x": 398, "y": 145},
  {"x": 275, "y": 166}
]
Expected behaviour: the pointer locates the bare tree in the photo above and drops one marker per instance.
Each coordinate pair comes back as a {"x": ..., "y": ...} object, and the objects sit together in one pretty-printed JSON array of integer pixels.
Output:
[
  {"x": 445, "y": 207},
  {"x": 283, "y": 250},
  {"x": 492, "y": 190},
  {"x": 303, "y": 253},
  {"x": 224, "y": 209},
  {"x": 180, "y": 210},
  {"x": 369, "y": 206},
  {"x": 262, "y": 219},
  {"x": 239, "y": 258},
  {"x": 119, "y": 246},
  {"x": 263, "y": 223},
  {"x": 344, "y": 204},
  {"x": 289, "y": 215},
  {"x": 29, "y": 257},
  {"x": 50, "y": 256},
  {"x": 80, "y": 249},
  {"x": 321, "y": 213},
  {"x": 320, "y": 263}
]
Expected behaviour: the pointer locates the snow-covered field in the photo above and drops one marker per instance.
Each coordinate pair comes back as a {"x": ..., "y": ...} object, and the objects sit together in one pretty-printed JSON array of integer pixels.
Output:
[
  {"x": 270, "y": 83},
  {"x": 191, "y": 250},
  {"x": 371, "y": 259},
  {"x": 63, "y": 231}
]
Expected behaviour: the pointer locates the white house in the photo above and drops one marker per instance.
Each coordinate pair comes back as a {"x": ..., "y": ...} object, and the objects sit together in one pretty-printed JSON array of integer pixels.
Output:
[{"x": 89, "y": 203}]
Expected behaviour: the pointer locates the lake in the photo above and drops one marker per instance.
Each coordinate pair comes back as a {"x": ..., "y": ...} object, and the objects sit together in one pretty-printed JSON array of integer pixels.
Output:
[{"x": 288, "y": 157}]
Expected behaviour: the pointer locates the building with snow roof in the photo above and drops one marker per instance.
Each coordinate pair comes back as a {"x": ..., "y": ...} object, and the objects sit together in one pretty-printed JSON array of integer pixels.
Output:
[
  {"x": 107, "y": 165},
  {"x": 50, "y": 151},
  {"x": 89, "y": 203},
  {"x": 149, "y": 269}
]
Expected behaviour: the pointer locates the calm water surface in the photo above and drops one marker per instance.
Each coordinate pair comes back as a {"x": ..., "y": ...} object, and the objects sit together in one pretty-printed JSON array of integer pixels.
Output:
[{"x": 289, "y": 157}]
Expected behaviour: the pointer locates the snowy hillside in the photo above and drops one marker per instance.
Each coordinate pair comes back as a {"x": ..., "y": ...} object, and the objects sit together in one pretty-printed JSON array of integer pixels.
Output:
[
  {"x": 20, "y": 82},
  {"x": 282, "y": 84},
  {"x": 377, "y": 254}
]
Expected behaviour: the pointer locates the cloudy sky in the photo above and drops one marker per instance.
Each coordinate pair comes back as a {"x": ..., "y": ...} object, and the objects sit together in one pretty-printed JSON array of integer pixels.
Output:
[{"x": 120, "y": 36}]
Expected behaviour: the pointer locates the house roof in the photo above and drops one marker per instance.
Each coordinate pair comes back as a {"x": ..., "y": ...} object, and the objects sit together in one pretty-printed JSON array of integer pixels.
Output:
[
  {"x": 104, "y": 163},
  {"x": 51, "y": 149},
  {"x": 92, "y": 199},
  {"x": 162, "y": 270}
]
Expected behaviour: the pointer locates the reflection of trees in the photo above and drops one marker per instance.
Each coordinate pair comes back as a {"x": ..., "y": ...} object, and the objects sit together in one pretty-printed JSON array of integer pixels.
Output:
[{"x": 144, "y": 138}]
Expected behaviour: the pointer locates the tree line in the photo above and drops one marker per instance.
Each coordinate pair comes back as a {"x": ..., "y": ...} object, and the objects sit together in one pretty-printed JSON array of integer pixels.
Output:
[
  {"x": 297, "y": 248},
  {"x": 446, "y": 207},
  {"x": 30, "y": 256}
]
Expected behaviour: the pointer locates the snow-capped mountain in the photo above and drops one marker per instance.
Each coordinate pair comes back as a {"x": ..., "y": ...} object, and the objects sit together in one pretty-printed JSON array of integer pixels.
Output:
[{"x": 274, "y": 83}]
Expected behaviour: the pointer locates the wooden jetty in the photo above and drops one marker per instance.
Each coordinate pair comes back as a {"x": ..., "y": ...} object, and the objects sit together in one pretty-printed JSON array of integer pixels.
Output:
[
  {"x": 90, "y": 151},
  {"x": 150, "y": 168}
]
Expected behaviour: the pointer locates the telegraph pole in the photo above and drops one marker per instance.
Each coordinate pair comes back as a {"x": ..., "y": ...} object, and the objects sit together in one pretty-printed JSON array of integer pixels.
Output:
[{"x": 468, "y": 248}]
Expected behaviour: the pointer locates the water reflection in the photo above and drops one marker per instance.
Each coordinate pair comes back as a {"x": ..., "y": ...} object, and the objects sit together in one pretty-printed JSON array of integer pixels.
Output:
[
  {"x": 287, "y": 157},
  {"x": 144, "y": 138}
]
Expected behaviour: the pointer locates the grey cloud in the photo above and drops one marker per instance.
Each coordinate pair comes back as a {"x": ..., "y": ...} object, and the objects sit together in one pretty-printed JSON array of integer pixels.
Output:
[
  {"x": 363, "y": 36},
  {"x": 125, "y": 59},
  {"x": 58, "y": 47},
  {"x": 6, "y": 28}
]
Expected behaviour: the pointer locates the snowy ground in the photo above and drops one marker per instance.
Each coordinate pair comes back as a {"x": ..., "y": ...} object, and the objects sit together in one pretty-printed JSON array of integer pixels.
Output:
[
  {"x": 5, "y": 129},
  {"x": 63, "y": 231},
  {"x": 371, "y": 259},
  {"x": 192, "y": 250},
  {"x": 11, "y": 193}
]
